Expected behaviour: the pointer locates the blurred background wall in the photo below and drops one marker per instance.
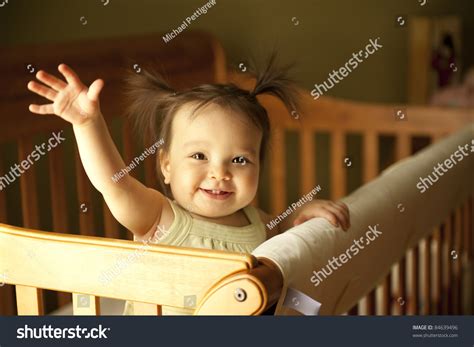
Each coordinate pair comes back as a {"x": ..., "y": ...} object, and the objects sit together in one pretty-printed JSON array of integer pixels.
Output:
[{"x": 327, "y": 33}]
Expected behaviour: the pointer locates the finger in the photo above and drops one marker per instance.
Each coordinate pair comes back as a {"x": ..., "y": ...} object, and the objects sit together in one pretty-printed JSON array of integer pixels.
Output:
[
  {"x": 42, "y": 90},
  {"x": 95, "y": 89},
  {"x": 345, "y": 211},
  {"x": 327, "y": 214},
  {"x": 42, "y": 109},
  {"x": 339, "y": 215},
  {"x": 343, "y": 205},
  {"x": 69, "y": 75},
  {"x": 50, "y": 80}
]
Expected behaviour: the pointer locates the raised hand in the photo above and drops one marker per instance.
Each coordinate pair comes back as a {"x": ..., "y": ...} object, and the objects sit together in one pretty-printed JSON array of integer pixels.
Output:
[{"x": 72, "y": 101}]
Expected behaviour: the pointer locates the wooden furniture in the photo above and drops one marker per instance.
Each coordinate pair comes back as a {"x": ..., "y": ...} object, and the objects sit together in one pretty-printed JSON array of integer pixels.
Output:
[
  {"x": 197, "y": 58},
  {"x": 153, "y": 275}
]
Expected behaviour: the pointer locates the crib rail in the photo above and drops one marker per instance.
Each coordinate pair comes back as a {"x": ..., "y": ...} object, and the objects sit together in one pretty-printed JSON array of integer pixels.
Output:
[{"x": 155, "y": 276}]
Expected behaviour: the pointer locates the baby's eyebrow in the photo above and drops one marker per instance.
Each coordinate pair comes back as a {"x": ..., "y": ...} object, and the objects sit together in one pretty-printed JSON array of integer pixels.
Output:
[
  {"x": 193, "y": 143},
  {"x": 252, "y": 152}
]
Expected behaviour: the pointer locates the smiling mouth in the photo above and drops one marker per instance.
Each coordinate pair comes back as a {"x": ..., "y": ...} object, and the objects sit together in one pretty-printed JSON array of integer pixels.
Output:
[{"x": 216, "y": 194}]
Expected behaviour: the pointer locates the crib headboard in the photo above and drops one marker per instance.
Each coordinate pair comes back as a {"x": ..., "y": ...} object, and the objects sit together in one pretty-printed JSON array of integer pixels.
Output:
[{"x": 93, "y": 267}]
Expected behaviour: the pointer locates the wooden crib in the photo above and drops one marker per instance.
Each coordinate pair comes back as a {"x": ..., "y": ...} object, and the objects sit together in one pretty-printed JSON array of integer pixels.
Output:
[{"x": 426, "y": 282}]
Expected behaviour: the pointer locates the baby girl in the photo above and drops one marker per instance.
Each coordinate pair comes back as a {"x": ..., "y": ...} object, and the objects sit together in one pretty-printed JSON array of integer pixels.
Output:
[{"x": 215, "y": 138}]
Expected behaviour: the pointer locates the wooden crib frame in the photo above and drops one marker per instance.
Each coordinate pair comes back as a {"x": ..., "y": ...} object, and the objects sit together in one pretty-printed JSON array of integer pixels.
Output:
[
  {"x": 181, "y": 277},
  {"x": 219, "y": 291}
]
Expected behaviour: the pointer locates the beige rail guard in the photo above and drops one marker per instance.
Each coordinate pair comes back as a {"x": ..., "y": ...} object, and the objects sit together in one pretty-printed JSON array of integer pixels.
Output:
[
  {"x": 155, "y": 275},
  {"x": 309, "y": 247}
]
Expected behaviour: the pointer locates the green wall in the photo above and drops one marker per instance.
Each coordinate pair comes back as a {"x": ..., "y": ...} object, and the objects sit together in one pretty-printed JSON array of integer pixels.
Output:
[{"x": 326, "y": 36}]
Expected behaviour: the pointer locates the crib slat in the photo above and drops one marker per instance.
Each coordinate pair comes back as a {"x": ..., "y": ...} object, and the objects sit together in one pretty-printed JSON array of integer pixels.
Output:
[
  {"x": 112, "y": 228},
  {"x": 144, "y": 309},
  {"x": 307, "y": 160},
  {"x": 29, "y": 301},
  {"x": 278, "y": 174},
  {"x": 85, "y": 305},
  {"x": 3, "y": 196},
  {"x": 149, "y": 163},
  {"x": 413, "y": 264},
  {"x": 28, "y": 187},
  {"x": 58, "y": 202},
  {"x": 58, "y": 191},
  {"x": 402, "y": 150},
  {"x": 398, "y": 300},
  {"x": 437, "y": 271},
  {"x": 338, "y": 174},
  {"x": 456, "y": 263},
  {"x": 371, "y": 156},
  {"x": 128, "y": 153},
  {"x": 426, "y": 275},
  {"x": 127, "y": 143},
  {"x": 402, "y": 146},
  {"x": 466, "y": 258},
  {"x": 436, "y": 258},
  {"x": 86, "y": 218},
  {"x": 6, "y": 292},
  {"x": 150, "y": 167},
  {"x": 447, "y": 245},
  {"x": 370, "y": 170}
]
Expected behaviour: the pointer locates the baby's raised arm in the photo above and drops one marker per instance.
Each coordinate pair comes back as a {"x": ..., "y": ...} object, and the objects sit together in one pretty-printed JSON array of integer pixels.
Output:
[{"x": 134, "y": 205}]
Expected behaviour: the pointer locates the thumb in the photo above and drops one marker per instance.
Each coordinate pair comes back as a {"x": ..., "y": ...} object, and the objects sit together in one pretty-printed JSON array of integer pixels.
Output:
[{"x": 95, "y": 89}]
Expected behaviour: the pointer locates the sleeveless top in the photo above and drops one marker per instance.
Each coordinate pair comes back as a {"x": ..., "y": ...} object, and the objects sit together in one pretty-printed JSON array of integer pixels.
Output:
[{"x": 187, "y": 231}]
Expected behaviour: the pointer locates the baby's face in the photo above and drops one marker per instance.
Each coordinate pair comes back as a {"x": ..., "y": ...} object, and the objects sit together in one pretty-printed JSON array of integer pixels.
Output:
[{"x": 213, "y": 162}]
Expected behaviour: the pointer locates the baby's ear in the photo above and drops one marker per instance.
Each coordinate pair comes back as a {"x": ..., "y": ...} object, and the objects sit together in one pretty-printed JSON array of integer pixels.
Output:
[{"x": 164, "y": 165}]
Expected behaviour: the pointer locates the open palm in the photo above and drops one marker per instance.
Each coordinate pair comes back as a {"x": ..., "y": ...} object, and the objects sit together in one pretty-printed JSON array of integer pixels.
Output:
[{"x": 72, "y": 101}]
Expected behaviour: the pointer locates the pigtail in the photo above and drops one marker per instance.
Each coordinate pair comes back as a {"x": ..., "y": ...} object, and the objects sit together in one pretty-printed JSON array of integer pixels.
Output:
[
  {"x": 274, "y": 80},
  {"x": 148, "y": 98}
]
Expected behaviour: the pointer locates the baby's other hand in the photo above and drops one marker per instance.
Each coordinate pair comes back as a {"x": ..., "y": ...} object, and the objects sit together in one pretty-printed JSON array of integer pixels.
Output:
[{"x": 337, "y": 213}]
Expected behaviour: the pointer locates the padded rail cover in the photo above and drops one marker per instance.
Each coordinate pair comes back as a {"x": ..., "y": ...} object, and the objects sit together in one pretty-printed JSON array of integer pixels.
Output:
[{"x": 375, "y": 206}]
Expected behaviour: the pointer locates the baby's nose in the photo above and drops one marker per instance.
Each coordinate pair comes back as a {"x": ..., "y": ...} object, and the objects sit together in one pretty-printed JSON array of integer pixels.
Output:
[{"x": 219, "y": 172}]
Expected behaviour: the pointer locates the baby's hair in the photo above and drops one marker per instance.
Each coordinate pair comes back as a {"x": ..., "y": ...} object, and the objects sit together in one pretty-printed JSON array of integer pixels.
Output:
[{"x": 152, "y": 103}]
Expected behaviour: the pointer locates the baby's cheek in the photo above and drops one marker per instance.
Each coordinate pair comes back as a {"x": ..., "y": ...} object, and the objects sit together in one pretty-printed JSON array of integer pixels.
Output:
[{"x": 249, "y": 183}]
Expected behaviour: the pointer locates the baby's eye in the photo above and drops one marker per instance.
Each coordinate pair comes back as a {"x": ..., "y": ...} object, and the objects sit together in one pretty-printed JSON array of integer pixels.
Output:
[
  {"x": 198, "y": 156},
  {"x": 241, "y": 160}
]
